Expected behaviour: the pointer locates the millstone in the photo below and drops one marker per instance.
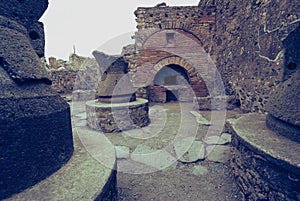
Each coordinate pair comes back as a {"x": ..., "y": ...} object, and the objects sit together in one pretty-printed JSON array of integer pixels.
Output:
[{"x": 283, "y": 105}]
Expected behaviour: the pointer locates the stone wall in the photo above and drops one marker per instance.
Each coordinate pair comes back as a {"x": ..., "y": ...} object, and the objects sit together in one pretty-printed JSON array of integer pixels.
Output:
[
  {"x": 173, "y": 35},
  {"x": 260, "y": 180},
  {"x": 249, "y": 36},
  {"x": 79, "y": 74},
  {"x": 117, "y": 117},
  {"x": 63, "y": 80},
  {"x": 243, "y": 39},
  {"x": 193, "y": 19}
]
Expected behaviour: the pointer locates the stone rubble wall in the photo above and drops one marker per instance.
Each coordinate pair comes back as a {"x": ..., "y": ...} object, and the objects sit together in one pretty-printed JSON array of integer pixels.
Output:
[
  {"x": 115, "y": 118},
  {"x": 259, "y": 179},
  {"x": 249, "y": 48},
  {"x": 63, "y": 80},
  {"x": 78, "y": 74},
  {"x": 192, "y": 19}
]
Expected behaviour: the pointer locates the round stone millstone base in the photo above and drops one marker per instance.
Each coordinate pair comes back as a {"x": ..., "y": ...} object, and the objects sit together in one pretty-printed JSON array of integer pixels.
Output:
[
  {"x": 117, "y": 117},
  {"x": 265, "y": 165},
  {"x": 35, "y": 140}
]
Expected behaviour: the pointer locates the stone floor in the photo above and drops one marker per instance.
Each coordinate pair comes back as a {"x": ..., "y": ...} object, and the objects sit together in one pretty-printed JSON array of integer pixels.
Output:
[{"x": 182, "y": 155}]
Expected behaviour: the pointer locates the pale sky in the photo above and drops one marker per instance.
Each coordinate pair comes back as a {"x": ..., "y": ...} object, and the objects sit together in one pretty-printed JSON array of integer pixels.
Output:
[{"x": 93, "y": 24}]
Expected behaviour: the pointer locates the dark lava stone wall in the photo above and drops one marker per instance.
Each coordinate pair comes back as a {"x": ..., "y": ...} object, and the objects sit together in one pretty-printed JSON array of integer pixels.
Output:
[{"x": 249, "y": 37}]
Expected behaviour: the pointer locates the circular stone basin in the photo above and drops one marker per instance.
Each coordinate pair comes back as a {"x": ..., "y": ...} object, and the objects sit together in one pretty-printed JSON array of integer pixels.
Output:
[{"x": 117, "y": 117}]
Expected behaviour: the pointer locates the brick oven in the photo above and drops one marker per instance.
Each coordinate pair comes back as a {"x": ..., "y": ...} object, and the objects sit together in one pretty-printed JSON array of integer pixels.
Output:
[{"x": 172, "y": 55}]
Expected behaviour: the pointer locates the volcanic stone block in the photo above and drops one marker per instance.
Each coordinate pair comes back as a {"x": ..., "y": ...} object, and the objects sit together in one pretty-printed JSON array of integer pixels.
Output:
[
  {"x": 35, "y": 126},
  {"x": 283, "y": 105},
  {"x": 24, "y": 11}
]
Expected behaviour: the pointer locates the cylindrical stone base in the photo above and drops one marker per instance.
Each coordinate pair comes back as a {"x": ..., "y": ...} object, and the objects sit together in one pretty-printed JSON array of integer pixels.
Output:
[
  {"x": 117, "y": 117},
  {"x": 35, "y": 141},
  {"x": 264, "y": 164}
]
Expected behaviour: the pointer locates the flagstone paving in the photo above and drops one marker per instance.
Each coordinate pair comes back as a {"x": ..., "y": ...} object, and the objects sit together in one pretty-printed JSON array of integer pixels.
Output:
[{"x": 181, "y": 155}]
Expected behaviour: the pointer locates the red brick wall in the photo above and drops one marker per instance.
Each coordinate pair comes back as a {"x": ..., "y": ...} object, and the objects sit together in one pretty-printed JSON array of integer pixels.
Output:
[
  {"x": 186, "y": 51},
  {"x": 191, "y": 48}
]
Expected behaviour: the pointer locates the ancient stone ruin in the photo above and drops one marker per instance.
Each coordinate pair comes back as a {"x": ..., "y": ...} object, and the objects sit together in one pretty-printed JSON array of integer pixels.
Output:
[
  {"x": 36, "y": 140},
  {"x": 35, "y": 132},
  {"x": 283, "y": 106},
  {"x": 243, "y": 53},
  {"x": 266, "y": 154},
  {"x": 116, "y": 108}
]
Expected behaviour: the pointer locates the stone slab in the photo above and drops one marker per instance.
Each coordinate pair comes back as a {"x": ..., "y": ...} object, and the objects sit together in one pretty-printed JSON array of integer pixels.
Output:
[
  {"x": 200, "y": 170},
  {"x": 122, "y": 152},
  {"x": 218, "y": 140},
  {"x": 189, "y": 151},
  {"x": 200, "y": 119},
  {"x": 218, "y": 153},
  {"x": 158, "y": 159}
]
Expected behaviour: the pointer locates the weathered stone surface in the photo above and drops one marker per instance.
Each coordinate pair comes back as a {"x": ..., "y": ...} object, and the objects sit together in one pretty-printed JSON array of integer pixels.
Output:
[
  {"x": 116, "y": 108},
  {"x": 17, "y": 57},
  {"x": 35, "y": 132},
  {"x": 79, "y": 75},
  {"x": 37, "y": 38},
  {"x": 217, "y": 140},
  {"x": 265, "y": 164},
  {"x": 218, "y": 153},
  {"x": 63, "y": 80},
  {"x": 23, "y": 12},
  {"x": 159, "y": 159},
  {"x": 216, "y": 103},
  {"x": 189, "y": 151},
  {"x": 226, "y": 137},
  {"x": 83, "y": 95},
  {"x": 200, "y": 119},
  {"x": 200, "y": 170},
  {"x": 122, "y": 152},
  {"x": 115, "y": 85},
  {"x": 28, "y": 19},
  {"x": 110, "y": 118},
  {"x": 86, "y": 176},
  {"x": 249, "y": 48},
  {"x": 283, "y": 105}
]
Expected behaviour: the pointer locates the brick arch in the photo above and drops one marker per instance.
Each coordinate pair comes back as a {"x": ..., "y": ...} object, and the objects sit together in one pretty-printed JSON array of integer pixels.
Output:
[
  {"x": 195, "y": 81},
  {"x": 177, "y": 61}
]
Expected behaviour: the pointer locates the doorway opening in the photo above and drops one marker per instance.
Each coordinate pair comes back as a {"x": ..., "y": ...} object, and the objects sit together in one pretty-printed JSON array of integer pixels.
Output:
[
  {"x": 169, "y": 84},
  {"x": 171, "y": 96}
]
